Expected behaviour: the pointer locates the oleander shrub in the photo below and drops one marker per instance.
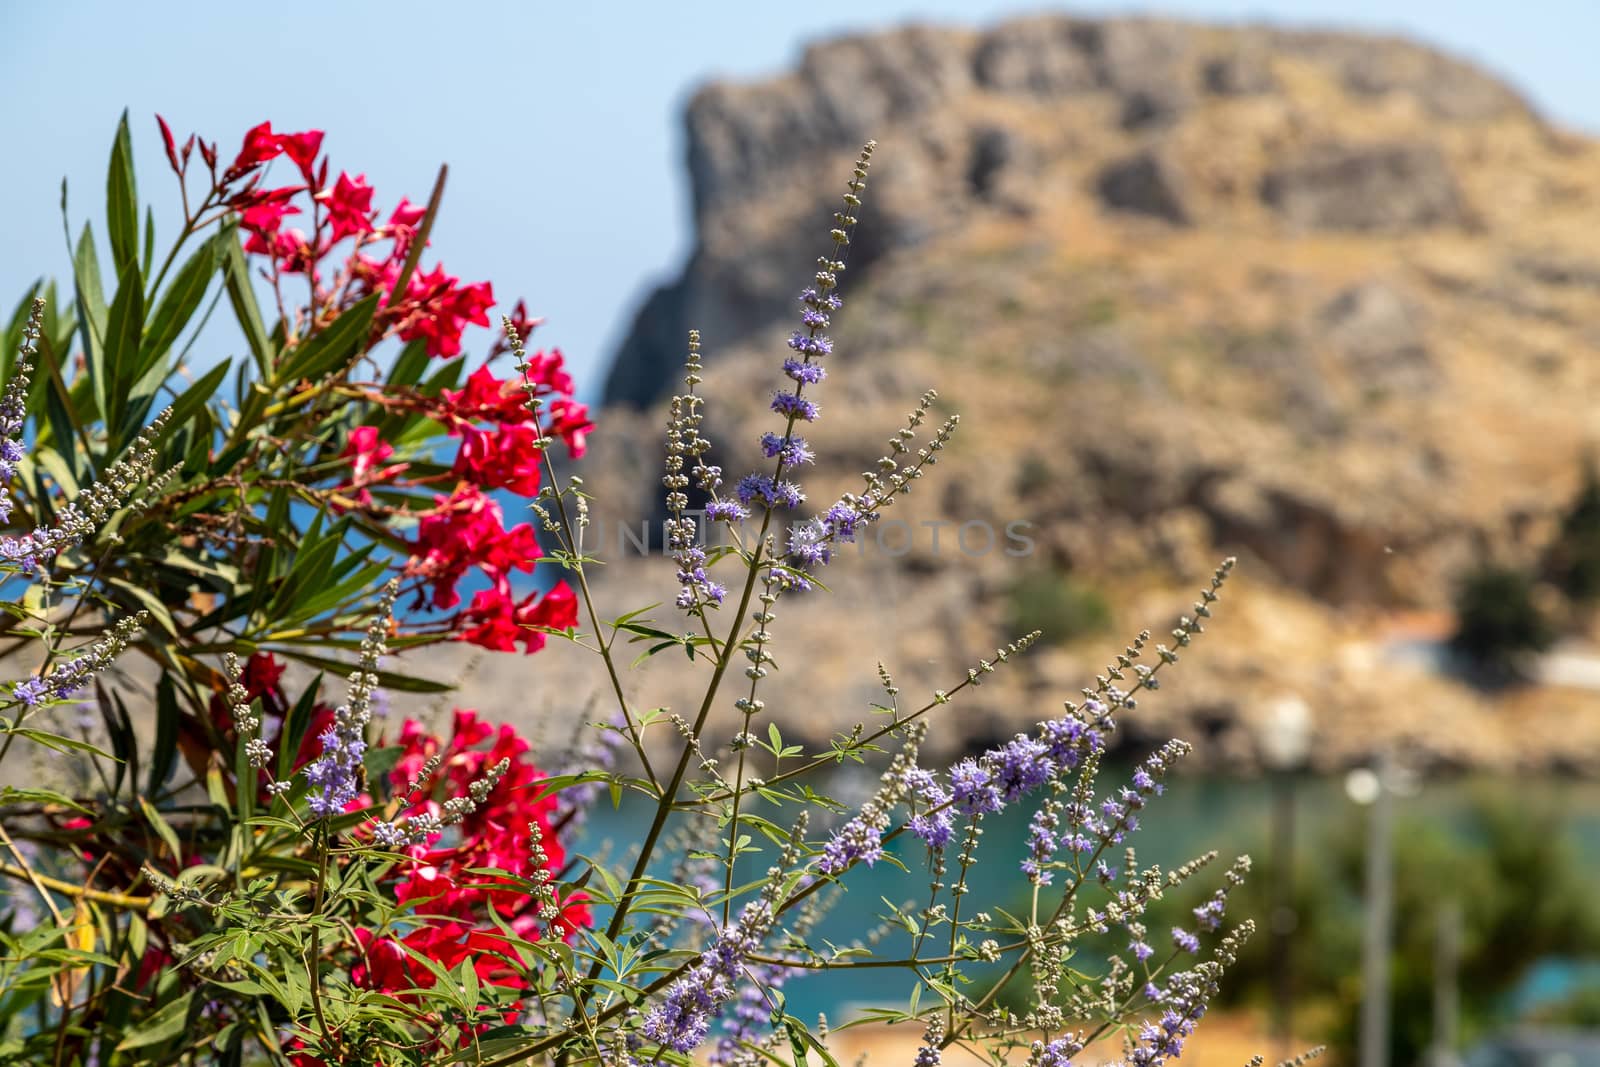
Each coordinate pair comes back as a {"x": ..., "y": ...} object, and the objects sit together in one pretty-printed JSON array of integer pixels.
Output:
[{"x": 281, "y": 875}]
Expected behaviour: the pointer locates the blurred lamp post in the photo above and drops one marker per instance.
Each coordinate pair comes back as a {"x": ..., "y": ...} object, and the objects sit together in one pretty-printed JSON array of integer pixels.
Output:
[
  {"x": 1285, "y": 745},
  {"x": 1446, "y": 992},
  {"x": 1375, "y": 788}
]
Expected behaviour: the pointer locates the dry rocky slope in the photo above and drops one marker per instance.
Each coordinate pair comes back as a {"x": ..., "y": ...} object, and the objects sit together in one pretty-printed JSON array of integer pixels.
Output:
[{"x": 1326, "y": 302}]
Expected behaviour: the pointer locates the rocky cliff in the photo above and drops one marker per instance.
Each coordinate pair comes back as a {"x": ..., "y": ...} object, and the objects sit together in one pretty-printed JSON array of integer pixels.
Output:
[{"x": 1327, "y": 302}]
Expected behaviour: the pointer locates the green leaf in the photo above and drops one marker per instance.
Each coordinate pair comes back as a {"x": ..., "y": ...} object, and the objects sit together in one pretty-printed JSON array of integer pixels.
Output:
[
  {"x": 242, "y": 295},
  {"x": 90, "y": 293},
  {"x": 400, "y": 683},
  {"x": 152, "y": 603},
  {"x": 60, "y": 744},
  {"x": 12, "y": 795},
  {"x": 122, "y": 201},
  {"x": 124, "y": 327},
  {"x": 162, "y": 828},
  {"x": 294, "y": 727},
  {"x": 165, "y": 753},
  {"x": 195, "y": 397},
  {"x": 333, "y": 347},
  {"x": 177, "y": 304},
  {"x": 167, "y": 1023}
]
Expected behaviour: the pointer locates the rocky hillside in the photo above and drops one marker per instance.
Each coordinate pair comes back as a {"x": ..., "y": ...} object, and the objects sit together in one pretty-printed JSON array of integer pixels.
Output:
[{"x": 1327, "y": 302}]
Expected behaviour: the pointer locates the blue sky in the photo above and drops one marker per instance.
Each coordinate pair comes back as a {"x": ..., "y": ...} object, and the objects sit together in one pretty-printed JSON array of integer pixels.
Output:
[{"x": 560, "y": 122}]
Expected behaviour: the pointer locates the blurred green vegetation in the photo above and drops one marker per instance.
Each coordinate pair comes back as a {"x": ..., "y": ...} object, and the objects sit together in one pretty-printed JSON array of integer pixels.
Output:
[
  {"x": 1060, "y": 605},
  {"x": 1499, "y": 621},
  {"x": 1513, "y": 868},
  {"x": 1574, "y": 558}
]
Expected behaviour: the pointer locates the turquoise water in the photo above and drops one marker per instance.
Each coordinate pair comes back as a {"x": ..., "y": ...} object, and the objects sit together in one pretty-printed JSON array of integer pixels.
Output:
[{"x": 1195, "y": 815}]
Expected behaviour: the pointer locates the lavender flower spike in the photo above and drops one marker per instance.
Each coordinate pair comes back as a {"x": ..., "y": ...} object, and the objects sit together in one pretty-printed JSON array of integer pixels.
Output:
[{"x": 334, "y": 774}]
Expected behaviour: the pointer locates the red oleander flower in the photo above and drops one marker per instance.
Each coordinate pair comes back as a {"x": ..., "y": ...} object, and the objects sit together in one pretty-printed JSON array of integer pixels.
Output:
[
  {"x": 507, "y": 458},
  {"x": 443, "y": 308},
  {"x": 499, "y": 625},
  {"x": 466, "y": 530},
  {"x": 488, "y": 398},
  {"x": 365, "y": 452},
  {"x": 407, "y": 215},
  {"x": 302, "y": 148},
  {"x": 449, "y": 900},
  {"x": 260, "y": 146},
  {"x": 569, "y": 420},
  {"x": 349, "y": 205}
]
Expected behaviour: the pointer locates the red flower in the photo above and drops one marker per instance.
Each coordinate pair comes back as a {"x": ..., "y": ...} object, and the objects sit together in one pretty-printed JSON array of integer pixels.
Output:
[
  {"x": 569, "y": 420},
  {"x": 442, "y": 310},
  {"x": 506, "y": 459},
  {"x": 467, "y": 530},
  {"x": 349, "y": 205},
  {"x": 499, "y": 625},
  {"x": 302, "y": 148},
  {"x": 260, "y": 145},
  {"x": 365, "y": 452},
  {"x": 489, "y": 398},
  {"x": 262, "y": 219},
  {"x": 406, "y": 214}
]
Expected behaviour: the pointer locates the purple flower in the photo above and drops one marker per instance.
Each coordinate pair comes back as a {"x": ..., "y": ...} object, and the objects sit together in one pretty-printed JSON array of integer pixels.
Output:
[
  {"x": 1043, "y": 841},
  {"x": 973, "y": 788},
  {"x": 726, "y": 511},
  {"x": 1209, "y": 915},
  {"x": 1057, "y": 1053},
  {"x": 812, "y": 346},
  {"x": 1141, "y": 951},
  {"x": 1021, "y": 766},
  {"x": 769, "y": 491},
  {"x": 1185, "y": 941},
  {"x": 857, "y": 841},
  {"x": 31, "y": 691},
  {"x": 792, "y": 450},
  {"x": 809, "y": 543},
  {"x": 794, "y": 406},
  {"x": 843, "y": 520},
  {"x": 933, "y": 824},
  {"x": 683, "y": 1018},
  {"x": 803, "y": 372}
]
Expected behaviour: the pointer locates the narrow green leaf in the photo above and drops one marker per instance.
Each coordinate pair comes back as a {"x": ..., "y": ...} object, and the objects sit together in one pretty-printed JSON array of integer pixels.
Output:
[
  {"x": 122, "y": 201},
  {"x": 10, "y": 795},
  {"x": 90, "y": 294},
  {"x": 167, "y": 1023},
  {"x": 333, "y": 347},
  {"x": 162, "y": 828},
  {"x": 164, "y": 755},
  {"x": 177, "y": 305},
  {"x": 59, "y": 743},
  {"x": 124, "y": 326},
  {"x": 242, "y": 295},
  {"x": 194, "y": 398}
]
